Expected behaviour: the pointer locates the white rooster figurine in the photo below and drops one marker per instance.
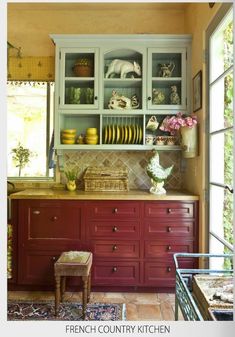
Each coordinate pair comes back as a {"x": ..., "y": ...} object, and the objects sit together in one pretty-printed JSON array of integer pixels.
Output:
[{"x": 158, "y": 174}]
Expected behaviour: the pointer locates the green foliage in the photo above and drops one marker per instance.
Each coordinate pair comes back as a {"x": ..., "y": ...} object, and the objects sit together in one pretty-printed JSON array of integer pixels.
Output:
[
  {"x": 71, "y": 174},
  {"x": 228, "y": 141},
  {"x": 21, "y": 156}
]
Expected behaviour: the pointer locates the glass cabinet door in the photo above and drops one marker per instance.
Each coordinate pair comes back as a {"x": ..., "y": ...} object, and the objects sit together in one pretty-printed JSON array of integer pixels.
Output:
[
  {"x": 78, "y": 78},
  {"x": 167, "y": 78}
]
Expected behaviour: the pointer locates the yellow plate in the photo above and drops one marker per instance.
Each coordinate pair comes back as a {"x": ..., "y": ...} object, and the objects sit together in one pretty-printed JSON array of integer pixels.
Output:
[
  {"x": 105, "y": 134},
  {"x": 118, "y": 134},
  {"x": 130, "y": 134},
  {"x": 133, "y": 134},
  {"x": 113, "y": 134},
  {"x": 126, "y": 134},
  {"x": 137, "y": 134},
  {"x": 140, "y": 134},
  {"x": 109, "y": 134}
]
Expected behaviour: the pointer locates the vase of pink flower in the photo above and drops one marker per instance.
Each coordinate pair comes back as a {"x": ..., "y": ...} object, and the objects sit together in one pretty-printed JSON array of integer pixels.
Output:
[{"x": 187, "y": 127}]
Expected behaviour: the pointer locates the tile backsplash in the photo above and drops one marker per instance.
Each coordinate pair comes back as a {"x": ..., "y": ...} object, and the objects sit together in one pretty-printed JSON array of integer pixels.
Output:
[{"x": 135, "y": 161}]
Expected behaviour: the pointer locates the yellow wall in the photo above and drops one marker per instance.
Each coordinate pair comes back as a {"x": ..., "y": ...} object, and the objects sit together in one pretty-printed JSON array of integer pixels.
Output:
[
  {"x": 29, "y": 25},
  {"x": 197, "y": 19}
]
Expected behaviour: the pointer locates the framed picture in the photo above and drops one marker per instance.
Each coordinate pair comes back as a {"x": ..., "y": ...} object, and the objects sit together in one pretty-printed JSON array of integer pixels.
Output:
[{"x": 197, "y": 91}]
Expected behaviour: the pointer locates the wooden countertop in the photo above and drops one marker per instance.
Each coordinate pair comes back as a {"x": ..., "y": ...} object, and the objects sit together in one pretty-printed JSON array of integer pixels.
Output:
[{"x": 82, "y": 195}]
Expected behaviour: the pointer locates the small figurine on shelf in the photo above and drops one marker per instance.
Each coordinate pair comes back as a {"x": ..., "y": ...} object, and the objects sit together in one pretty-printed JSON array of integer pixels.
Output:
[
  {"x": 174, "y": 97},
  {"x": 158, "y": 97},
  {"x": 123, "y": 67},
  {"x": 122, "y": 103},
  {"x": 166, "y": 70}
]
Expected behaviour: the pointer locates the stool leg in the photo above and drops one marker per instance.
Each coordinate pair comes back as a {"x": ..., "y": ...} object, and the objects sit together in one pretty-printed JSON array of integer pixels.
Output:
[
  {"x": 89, "y": 287},
  {"x": 84, "y": 296},
  {"x": 57, "y": 293},
  {"x": 63, "y": 285}
]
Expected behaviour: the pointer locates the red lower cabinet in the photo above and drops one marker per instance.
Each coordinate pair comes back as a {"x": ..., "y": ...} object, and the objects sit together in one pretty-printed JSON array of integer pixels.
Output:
[
  {"x": 115, "y": 273},
  {"x": 132, "y": 242}
]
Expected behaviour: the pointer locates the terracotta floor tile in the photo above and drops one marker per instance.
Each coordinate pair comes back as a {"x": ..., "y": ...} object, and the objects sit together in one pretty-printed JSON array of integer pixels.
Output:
[
  {"x": 141, "y": 298},
  {"x": 149, "y": 312},
  {"x": 131, "y": 312},
  {"x": 167, "y": 311}
]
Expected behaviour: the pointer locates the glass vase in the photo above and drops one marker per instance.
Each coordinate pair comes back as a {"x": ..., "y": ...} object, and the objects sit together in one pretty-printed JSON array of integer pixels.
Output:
[{"x": 189, "y": 141}]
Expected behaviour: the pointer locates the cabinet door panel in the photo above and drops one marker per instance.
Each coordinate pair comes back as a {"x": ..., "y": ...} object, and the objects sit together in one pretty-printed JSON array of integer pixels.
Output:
[
  {"x": 48, "y": 221},
  {"x": 114, "y": 249},
  {"x": 168, "y": 230},
  {"x": 113, "y": 210},
  {"x": 167, "y": 248},
  {"x": 114, "y": 229},
  {"x": 115, "y": 273},
  {"x": 168, "y": 210}
]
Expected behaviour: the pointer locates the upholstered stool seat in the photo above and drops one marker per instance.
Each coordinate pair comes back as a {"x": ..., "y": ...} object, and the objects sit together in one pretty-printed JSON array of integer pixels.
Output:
[{"x": 73, "y": 263}]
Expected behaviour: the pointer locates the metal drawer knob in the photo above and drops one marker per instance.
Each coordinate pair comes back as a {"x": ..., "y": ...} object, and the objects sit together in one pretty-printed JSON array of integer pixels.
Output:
[
  {"x": 114, "y": 247},
  {"x": 168, "y": 269},
  {"x": 54, "y": 218},
  {"x": 115, "y": 210},
  {"x": 53, "y": 258},
  {"x": 114, "y": 269},
  {"x": 169, "y": 229},
  {"x": 115, "y": 229},
  {"x": 36, "y": 212},
  {"x": 169, "y": 210},
  {"x": 168, "y": 247}
]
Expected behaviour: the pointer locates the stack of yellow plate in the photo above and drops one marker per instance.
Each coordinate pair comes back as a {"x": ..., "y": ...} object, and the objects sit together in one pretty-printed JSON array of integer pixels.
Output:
[
  {"x": 68, "y": 136},
  {"x": 91, "y": 136}
]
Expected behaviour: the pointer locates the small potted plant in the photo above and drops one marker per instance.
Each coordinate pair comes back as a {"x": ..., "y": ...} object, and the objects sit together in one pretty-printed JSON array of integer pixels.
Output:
[{"x": 71, "y": 176}]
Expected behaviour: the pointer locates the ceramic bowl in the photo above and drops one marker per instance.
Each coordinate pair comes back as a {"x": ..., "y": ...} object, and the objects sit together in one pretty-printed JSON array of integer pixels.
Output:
[{"x": 91, "y": 131}]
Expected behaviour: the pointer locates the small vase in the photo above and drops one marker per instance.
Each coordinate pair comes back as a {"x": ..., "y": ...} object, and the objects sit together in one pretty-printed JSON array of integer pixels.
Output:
[
  {"x": 157, "y": 187},
  {"x": 189, "y": 141},
  {"x": 71, "y": 185}
]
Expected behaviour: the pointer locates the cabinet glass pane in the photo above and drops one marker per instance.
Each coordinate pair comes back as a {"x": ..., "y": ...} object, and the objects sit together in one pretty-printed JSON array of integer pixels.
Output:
[
  {"x": 166, "y": 65},
  {"x": 166, "y": 92},
  {"x": 79, "y": 92},
  {"x": 79, "y": 65}
]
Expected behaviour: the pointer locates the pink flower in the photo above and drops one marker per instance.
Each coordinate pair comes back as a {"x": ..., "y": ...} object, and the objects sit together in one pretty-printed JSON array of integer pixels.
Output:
[{"x": 174, "y": 123}]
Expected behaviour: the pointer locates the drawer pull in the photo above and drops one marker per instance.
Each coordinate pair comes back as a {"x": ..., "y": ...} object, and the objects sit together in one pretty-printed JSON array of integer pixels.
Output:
[
  {"x": 115, "y": 210},
  {"x": 114, "y": 247},
  {"x": 168, "y": 269},
  {"x": 115, "y": 229},
  {"x": 169, "y": 210},
  {"x": 54, "y": 218},
  {"x": 36, "y": 212},
  {"x": 168, "y": 247},
  {"x": 114, "y": 269},
  {"x": 53, "y": 258},
  {"x": 169, "y": 229}
]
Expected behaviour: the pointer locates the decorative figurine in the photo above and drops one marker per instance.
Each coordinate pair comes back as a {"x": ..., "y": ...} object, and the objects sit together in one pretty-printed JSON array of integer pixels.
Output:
[
  {"x": 122, "y": 102},
  {"x": 174, "y": 97},
  {"x": 157, "y": 174},
  {"x": 123, "y": 67},
  {"x": 166, "y": 70},
  {"x": 158, "y": 97}
]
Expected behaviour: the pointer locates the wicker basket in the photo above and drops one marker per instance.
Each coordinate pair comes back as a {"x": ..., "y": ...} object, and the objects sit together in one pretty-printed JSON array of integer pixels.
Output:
[
  {"x": 102, "y": 179},
  {"x": 83, "y": 68}
]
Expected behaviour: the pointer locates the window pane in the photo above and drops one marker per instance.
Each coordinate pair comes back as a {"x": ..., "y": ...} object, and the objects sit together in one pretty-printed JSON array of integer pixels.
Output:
[
  {"x": 221, "y": 213},
  {"x": 221, "y": 48},
  {"x": 27, "y": 129},
  {"x": 221, "y": 158},
  {"x": 221, "y": 104},
  {"x": 218, "y": 248}
]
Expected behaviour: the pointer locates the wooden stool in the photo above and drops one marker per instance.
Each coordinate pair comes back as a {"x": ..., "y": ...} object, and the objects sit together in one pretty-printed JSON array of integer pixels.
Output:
[{"x": 73, "y": 263}]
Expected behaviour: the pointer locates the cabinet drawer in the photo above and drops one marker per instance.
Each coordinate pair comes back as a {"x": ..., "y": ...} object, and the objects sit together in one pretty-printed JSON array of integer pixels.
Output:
[
  {"x": 116, "y": 249},
  {"x": 166, "y": 248},
  {"x": 114, "y": 229},
  {"x": 169, "y": 230},
  {"x": 162, "y": 273},
  {"x": 113, "y": 210},
  {"x": 168, "y": 210},
  {"x": 115, "y": 273}
]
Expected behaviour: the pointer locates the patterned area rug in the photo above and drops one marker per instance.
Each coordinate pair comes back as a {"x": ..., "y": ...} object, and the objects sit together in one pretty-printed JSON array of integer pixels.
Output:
[{"x": 68, "y": 311}]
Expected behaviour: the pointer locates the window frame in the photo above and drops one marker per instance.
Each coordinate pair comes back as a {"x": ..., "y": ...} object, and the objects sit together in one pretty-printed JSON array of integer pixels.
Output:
[{"x": 215, "y": 23}]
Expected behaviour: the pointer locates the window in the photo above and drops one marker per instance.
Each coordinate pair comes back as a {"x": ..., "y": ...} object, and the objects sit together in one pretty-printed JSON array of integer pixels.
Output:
[
  {"x": 220, "y": 46},
  {"x": 29, "y": 129}
]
